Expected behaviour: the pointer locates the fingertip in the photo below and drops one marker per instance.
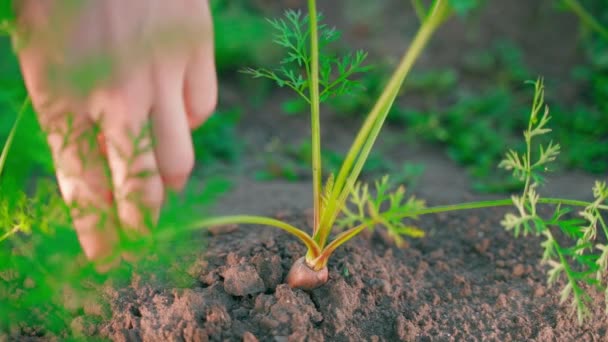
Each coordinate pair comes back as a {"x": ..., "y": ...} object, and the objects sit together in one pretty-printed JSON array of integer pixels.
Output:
[
  {"x": 200, "y": 105},
  {"x": 176, "y": 182},
  {"x": 200, "y": 88},
  {"x": 96, "y": 238},
  {"x": 195, "y": 121}
]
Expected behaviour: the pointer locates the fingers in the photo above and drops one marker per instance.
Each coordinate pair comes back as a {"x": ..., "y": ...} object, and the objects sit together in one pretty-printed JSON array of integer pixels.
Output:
[
  {"x": 122, "y": 112},
  {"x": 84, "y": 184},
  {"x": 173, "y": 148},
  {"x": 200, "y": 88},
  {"x": 79, "y": 165}
]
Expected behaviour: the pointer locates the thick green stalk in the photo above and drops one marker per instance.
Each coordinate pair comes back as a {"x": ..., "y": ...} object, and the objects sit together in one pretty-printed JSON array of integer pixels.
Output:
[
  {"x": 586, "y": 17},
  {"x": 315, "y": 114},
  {"x": 321, "y": 261},
  {"x": 368, "y": 133}
]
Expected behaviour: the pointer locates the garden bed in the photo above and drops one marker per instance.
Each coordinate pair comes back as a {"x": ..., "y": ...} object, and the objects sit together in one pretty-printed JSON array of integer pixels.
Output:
[{"x": 468, "y": 280}]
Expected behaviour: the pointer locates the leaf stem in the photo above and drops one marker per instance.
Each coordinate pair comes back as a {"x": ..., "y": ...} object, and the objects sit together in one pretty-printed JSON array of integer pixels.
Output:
[
  {"x": 489, "y": 204},
  {"x": 586, "y": 17},
  {"x": 11, "y": 135},
  {"x": 315, "y": 113},
  {"x": 312, "y": 246},
  {"x": 10, "y": 233},
  {"x": 340, "y": 239},
  {"x": 578, "y": 300},
  {"x": 419, "y": 9}
]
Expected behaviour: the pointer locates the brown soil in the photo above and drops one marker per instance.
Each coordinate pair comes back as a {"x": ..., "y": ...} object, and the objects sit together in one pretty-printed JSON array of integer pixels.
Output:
[{"x": 468, "y": 280}]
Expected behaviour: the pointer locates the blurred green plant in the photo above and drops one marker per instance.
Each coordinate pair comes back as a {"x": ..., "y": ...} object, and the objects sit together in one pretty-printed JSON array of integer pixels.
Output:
[
  {"x": 7, "y": 17},
  {"x": 30, "y": 155},
  {"x": 216, "y": 140},
  {"x": 239, "y": 35}
]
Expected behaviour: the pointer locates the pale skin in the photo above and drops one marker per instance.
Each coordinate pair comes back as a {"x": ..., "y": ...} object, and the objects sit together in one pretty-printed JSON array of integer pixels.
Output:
[{"x": 161, "y": 75}]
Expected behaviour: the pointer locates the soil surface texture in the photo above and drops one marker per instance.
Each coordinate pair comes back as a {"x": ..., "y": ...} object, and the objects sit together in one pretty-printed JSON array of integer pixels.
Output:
[{"x": 468, "y": 280}]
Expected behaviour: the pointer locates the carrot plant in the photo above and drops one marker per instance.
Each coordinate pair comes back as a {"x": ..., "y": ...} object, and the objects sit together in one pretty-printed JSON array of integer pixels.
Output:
[
  {"x": 345, "y": 203},
  {"x": 316, "y": 76}
]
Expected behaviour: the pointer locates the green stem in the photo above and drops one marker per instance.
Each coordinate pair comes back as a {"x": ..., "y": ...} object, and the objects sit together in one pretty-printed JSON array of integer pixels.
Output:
[
  {"x": 569, "y": 276},
  {"x": 9, "y": 233},
  {"x": 312, "y": 246},
  {"x": 586, "y": 17},
  {"x": 368, "y": 133},
  {"x": 11, "y": 135},
  {"x": 321, "y": 261},
  {"x": 488, "y": 204},
  {"x": 315, "y": 113},
  {"x": 419, "y": 9}
]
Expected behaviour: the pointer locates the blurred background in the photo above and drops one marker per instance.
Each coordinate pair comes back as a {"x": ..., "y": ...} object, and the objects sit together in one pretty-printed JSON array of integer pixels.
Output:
[{"x": 465, "y": 100}]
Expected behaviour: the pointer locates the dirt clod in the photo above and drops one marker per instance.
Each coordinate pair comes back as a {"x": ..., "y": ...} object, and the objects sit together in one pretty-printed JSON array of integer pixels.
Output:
[
  {"x": 243, "y": 280},
  {"x": 270, "y": 269}
]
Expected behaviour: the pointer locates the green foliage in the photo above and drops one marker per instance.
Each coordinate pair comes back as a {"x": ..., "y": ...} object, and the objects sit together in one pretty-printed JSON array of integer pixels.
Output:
[
  {"x": 475, "y": 126},
  {"x": 29, "y": 153},
  {"x": 523, "y": 167},
  {"x": 216, "y": 140},
  {"x": 314, "y": 75},
  {"x": 463, "y": 7},
  {"x": 44, "y": 277},
  {"x": 7, "y": 16},
  {"x": 578, "y": 264},
  {"x": 585, "y": 122},
  {"x": 239, "y": 35},
  {"x": 335, "y": 72},
  {"x": 45, "y": 281},
  {"x": 592, "y": 14},
  {"x": 381, "y": 208}
]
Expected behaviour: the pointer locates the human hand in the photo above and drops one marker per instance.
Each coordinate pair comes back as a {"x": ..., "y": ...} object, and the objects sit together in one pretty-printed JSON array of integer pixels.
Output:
[{"x": 113, "y": 69}]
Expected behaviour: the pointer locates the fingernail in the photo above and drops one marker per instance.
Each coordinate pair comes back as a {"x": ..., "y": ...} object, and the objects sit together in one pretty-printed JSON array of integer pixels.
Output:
[
  {"x": 101, "y": 142},
  {"x": 174, "y": 182},
  {"x": 109, "y": 197}
]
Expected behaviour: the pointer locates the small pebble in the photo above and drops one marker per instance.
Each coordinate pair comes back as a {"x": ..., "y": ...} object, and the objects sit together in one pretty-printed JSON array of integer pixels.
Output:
[
  {"x": 539, "y": 291},
  {"x": 518, "y": 270}
]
